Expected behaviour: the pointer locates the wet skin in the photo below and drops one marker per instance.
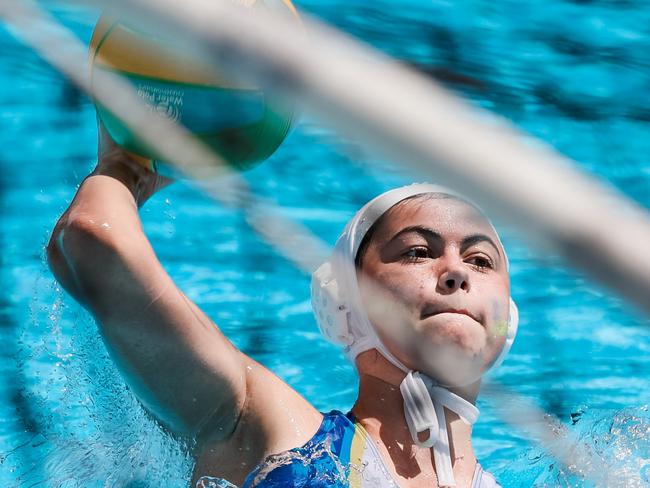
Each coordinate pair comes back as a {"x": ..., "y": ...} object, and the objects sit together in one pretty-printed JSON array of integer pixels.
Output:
[{"x": 444, "y": 269}]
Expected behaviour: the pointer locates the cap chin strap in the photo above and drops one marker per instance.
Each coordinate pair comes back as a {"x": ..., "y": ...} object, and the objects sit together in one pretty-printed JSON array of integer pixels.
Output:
[
  {"x": 424, "y": 409},
  {"x": 425, "y": 401}
]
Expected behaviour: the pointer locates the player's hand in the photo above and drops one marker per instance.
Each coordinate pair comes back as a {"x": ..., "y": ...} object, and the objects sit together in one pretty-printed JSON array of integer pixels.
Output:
[{"x": 126, "y": 167}]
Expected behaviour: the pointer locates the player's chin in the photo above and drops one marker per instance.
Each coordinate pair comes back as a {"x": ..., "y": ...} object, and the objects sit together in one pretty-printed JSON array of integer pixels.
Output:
[
  {"x": 456, "y": 361},
  {"x": 451, "y": 366}
]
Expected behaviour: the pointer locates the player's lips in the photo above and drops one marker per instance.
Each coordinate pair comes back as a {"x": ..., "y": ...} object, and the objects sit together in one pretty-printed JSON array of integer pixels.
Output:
[{"x": 431, "y": 310}]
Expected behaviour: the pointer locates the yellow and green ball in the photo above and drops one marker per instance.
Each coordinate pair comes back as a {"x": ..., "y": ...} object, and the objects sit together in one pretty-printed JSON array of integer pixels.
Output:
[{"x": 242, "y": 124}]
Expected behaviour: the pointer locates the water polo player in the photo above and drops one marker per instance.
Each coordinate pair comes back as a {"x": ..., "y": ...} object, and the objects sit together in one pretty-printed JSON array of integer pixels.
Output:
[{"x": 417, "y": 292}]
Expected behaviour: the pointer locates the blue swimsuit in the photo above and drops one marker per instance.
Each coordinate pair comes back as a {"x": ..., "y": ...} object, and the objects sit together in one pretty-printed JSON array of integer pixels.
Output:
[{"x": 340, "y": 455}]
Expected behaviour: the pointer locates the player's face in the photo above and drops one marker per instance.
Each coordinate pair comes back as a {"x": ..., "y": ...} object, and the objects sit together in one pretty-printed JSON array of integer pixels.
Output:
[{"x": 440, "y": 264}]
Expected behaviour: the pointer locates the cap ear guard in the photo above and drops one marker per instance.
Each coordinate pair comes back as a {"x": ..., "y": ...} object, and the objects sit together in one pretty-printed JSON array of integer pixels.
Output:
[
  {"x": 331, "y": 311},
  {"x": 513, "y": 323},
  {"x": 511, "y": 333}
]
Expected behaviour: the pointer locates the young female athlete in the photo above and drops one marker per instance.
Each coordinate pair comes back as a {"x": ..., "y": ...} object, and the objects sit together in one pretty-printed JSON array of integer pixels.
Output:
[{"x": 417, "y": 292}]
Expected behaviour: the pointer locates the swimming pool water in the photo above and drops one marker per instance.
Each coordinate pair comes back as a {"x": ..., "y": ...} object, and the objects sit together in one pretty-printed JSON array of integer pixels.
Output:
[{"x": 576, "y": 74}]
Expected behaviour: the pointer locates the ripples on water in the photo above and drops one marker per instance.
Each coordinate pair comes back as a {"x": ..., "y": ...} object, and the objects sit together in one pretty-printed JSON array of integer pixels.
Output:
[{"x": 576, "y": 74}]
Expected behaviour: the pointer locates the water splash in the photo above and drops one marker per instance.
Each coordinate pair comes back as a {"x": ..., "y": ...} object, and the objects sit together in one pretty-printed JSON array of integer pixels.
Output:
[
  {"x": 209, "y": 482},
  {"x": 311, "y": 457},
  {"x": 614, "y": 451},
  {"x": 87, "y": 428},
  {"x": 323, "y": 468}
]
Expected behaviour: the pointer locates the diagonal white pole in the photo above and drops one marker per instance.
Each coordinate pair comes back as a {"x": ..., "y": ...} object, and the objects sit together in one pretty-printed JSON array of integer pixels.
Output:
[{"x": 421, "y": 125}]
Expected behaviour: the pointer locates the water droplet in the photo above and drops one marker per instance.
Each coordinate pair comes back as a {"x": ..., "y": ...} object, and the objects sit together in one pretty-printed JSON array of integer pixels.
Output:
[{"x": 209, "y": 482}]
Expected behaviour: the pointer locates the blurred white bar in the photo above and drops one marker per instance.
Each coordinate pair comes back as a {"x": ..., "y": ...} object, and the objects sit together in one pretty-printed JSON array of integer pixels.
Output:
[{"x": 421, "y": 125}]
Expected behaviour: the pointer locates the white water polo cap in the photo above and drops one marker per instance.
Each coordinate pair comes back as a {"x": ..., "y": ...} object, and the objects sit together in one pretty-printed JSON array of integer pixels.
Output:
[{"x": 342, "y": 319}]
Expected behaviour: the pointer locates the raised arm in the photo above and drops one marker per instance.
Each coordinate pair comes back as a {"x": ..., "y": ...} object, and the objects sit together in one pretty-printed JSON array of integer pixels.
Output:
[
  {"x": 182, "y": 368},
  {"x": 173, "y": 357}
]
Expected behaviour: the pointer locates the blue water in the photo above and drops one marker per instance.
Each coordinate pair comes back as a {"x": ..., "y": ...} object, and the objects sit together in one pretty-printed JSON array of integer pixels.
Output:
[{"x": 576, "y": 74}]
